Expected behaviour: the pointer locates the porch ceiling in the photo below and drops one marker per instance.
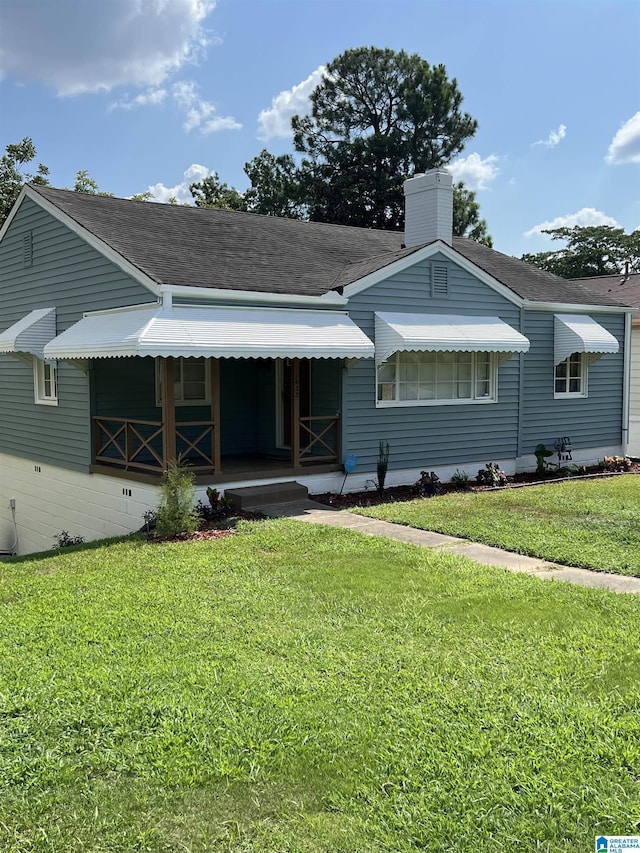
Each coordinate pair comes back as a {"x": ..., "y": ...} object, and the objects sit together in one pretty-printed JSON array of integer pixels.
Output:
[{"x": 213, "y": 332}]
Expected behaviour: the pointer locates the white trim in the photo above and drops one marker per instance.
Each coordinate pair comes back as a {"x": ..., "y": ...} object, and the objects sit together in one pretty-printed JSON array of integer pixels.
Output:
[
  {"x": 95, "y": 242},
  {"x": 584, "y": 379},
  {"x": 39, "y": 395},
  {"x": 626, "y": 383},
  {"x": 423, "y": 254},
  {"x": 13, "y": 211},
  {"x": 574, "y": 309},
  {"x": 492, "y": 380},
  {"x": 331, "y": 299}
]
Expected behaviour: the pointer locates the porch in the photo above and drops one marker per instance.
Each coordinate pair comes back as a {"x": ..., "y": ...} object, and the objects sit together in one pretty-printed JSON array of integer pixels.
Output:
[{"x": 266, "y": 418}]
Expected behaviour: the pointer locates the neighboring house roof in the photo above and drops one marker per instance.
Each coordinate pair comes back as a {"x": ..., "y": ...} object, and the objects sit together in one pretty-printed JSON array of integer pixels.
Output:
[
  {"x": 231, "y": 250},
  {"x": 625, "y": 289}
]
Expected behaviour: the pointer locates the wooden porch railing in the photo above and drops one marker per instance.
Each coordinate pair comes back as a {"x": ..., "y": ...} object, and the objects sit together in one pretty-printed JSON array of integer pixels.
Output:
[
  {"x": 319, "y": 439},
  {"x": 137, "y": 445}
]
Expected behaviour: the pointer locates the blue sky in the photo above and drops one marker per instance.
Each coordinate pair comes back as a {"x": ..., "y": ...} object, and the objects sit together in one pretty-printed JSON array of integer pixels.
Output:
[{"x": 154, "y": 94}]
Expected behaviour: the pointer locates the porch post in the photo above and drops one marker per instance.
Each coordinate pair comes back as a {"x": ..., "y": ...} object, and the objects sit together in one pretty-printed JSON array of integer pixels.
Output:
[
  {"x": 215, "y": 414},
  {"x": 168, "y": 412},
  {"x": 295, "y": 412}
]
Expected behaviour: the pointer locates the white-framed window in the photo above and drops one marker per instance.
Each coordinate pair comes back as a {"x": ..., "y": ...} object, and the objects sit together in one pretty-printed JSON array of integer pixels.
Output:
[
  {"x": 570, "y": 376},
  {"x": 437, "y": 378},
  {"x": 45, "y": 383},
  {"x": 191, "y": 381}
]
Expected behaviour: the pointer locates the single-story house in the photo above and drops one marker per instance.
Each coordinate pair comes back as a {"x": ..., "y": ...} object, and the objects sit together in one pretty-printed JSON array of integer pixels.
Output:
[
  {"x": 265, "y": 349},
  {"x": 625, "y": 288}
]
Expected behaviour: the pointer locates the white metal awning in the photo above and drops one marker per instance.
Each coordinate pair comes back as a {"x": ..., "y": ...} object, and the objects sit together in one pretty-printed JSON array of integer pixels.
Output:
[
  {"x": 209, "y": 331},
  {"x": 445, "y": 333},
  {"x": 30, "y": 334},
  {"x": 581, "y": 333}
]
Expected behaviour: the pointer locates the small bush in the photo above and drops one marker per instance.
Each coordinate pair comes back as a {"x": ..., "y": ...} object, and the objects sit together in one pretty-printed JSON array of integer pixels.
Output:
[
  {"x": 428, "y": 485},
  {"x": 491, "y": 475},
  {"x": 176, "y": 511},
  {"x": 64, "y": 540},
  {"x": 460, "y": 479},
  {"x": 615, "y": 463}
]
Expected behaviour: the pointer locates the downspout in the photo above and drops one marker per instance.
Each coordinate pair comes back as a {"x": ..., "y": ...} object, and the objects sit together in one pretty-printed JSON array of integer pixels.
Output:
[
  {"x": 520, "y": 390},
  {"x": 12, "y": 551},
  {"x": 626, "y": 386}
]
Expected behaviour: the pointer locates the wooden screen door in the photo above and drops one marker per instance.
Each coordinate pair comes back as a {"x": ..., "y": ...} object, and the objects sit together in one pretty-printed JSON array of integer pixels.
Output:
[{"x": 285, "y": 398}]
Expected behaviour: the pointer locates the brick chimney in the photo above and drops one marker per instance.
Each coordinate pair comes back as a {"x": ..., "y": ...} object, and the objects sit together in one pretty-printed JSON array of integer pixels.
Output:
[{"x": 428, "y": 203}]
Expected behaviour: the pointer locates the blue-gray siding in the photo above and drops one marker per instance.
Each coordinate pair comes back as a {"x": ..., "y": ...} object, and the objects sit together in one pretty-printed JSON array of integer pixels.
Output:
[
  {"x": 592, "y": 421},
  {"x": 71, "y": 276},
  {"x": 427, "y": 436}
]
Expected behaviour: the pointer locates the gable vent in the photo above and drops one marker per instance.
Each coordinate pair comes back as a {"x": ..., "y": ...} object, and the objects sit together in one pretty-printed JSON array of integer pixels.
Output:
[
  {"x": 27, "y": 249},
  {"x": 439, "y": 280}
]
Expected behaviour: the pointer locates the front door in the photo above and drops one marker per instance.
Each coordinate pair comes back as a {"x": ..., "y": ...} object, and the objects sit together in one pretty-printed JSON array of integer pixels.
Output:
[{"x": 285, "y": 397}]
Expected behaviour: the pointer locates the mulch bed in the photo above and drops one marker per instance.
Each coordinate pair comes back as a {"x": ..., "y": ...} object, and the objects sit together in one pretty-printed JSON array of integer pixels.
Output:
[{"x": 393, "y": 494}]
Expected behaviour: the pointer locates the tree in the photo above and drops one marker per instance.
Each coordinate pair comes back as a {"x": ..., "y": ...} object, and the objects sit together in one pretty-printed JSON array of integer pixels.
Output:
[
  {"x": 590, "y": 251},
  {"x": 275, "y": 186},
  {"x": 86, "y": 184},
  {"x": 377, "y": 116},
  {"x": 212, "y": 192},
  {"x": 466, "y": 216},
  {"x": 12, "y": 178}
]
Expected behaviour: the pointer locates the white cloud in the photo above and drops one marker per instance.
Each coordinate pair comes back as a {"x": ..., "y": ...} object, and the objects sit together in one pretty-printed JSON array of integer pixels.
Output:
[
  {"x": 199, "y": 114},
  {"x": 180, "y": 192},
  {"x": 79, "y": 46},
  {"x": 585, "y": 217},
  {"x": 276, "y": 121},
  {"x": 474, "y": 171},
  {"x": 555, "y": 137},
  {"x": 152, "y": 97},
  {"x": 625, "y": 147}
]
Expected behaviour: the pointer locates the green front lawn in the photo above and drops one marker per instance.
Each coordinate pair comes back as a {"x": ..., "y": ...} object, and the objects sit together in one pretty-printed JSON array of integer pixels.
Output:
[
  {"x": 590, "y": 523},
  {"x": 298, "y": 688}
]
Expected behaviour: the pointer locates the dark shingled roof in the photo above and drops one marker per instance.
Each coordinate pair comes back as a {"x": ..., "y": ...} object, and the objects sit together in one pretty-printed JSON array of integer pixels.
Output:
[
  {"x": 230, "y": 250},
  {"x": 625, "y": 289}
]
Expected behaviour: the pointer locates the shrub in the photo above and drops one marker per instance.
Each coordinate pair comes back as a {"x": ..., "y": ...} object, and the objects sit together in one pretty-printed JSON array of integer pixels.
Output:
[
  {"x": 460, "y": 479},
  {"x": 428, "y": 485},
  {"x": 64, "y": 540},
  {"x": 176, "y": 511},
  {"x": 615, "y": 463},
  {"x": 491, "y": 475},
  {"x": 383, "y": 464}
]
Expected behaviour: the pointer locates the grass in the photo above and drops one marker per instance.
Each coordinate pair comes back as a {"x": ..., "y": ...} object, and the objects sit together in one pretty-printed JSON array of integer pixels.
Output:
[
  {"x": 304, "y": 689},
  {"x": 590, "y": 523}
]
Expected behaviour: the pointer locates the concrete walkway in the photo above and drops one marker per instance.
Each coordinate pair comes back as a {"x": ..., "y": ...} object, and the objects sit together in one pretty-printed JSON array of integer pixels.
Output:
[{"x": 315, "y": 513}]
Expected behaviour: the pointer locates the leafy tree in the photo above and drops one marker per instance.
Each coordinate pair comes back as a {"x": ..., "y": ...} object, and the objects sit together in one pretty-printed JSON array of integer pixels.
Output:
[
  {"x": 377, "y": 115},
  {"x": 590, "y": 251},
  {"x": 275, "y": 186},
  {"x": 12, "y": 178},
  {"x": 466, "y": 216},
  {"x": 212, "y": 192},
  {"x": 86, "y": 184}
]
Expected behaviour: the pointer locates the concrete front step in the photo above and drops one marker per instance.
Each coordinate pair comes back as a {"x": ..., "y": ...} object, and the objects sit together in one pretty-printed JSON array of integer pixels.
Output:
[{"x": 249, "y": 497}]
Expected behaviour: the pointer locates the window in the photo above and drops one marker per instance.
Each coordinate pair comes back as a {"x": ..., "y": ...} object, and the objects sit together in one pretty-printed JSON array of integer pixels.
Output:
[
  {"x": 45, "y": 382},
  {"x": 571, "y": 376},
  {"x": 190, "y": 381},
  {"x": 435, "y": 378}
]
